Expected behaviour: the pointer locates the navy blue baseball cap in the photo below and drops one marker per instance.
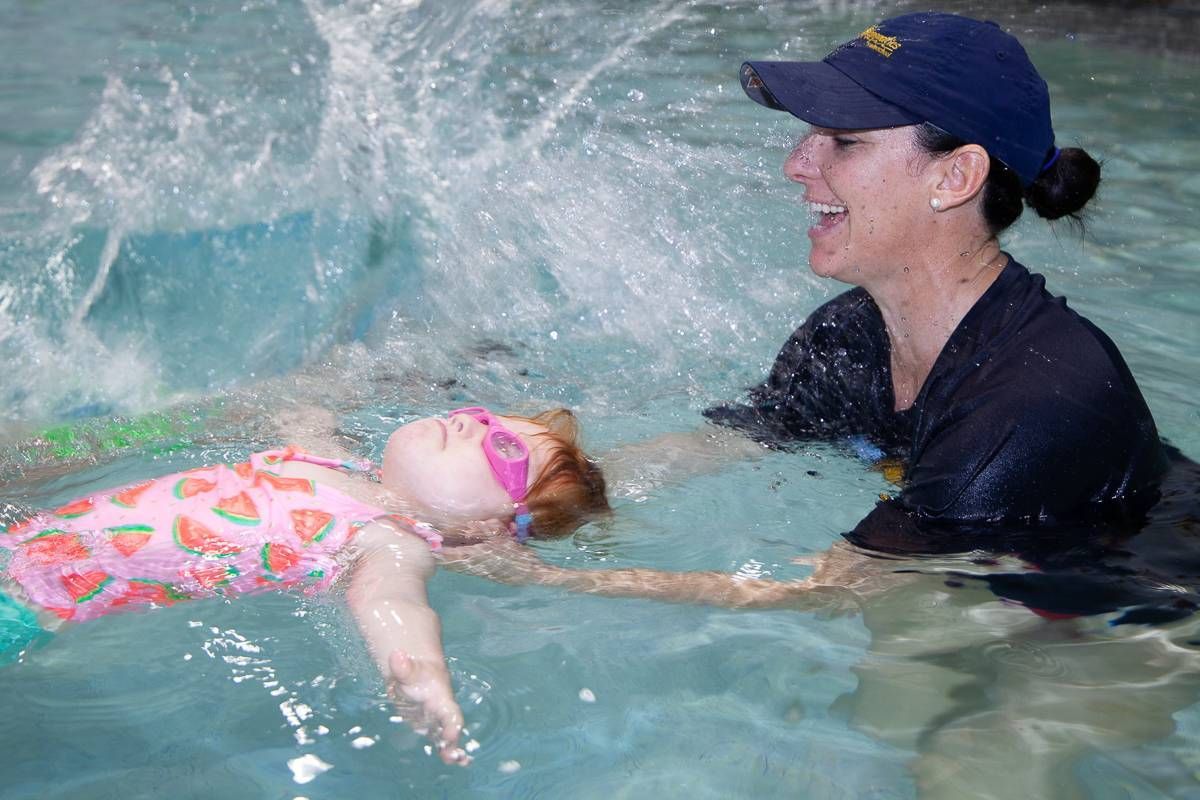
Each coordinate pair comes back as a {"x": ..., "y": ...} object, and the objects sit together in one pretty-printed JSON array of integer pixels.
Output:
[{"x": 967, "y": 77}]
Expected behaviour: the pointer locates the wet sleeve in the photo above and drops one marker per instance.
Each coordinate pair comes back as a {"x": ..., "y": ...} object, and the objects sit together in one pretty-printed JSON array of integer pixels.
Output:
[
  {"x": 825, "y": 381},
  {"x": 784, "y": 406}
]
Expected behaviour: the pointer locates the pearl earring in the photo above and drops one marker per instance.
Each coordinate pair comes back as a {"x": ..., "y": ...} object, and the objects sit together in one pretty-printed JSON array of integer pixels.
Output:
[{"x": 934, "y": 203}]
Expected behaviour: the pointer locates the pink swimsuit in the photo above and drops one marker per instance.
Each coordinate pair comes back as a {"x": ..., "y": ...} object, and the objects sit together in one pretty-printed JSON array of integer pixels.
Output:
[{"x": 224, "y": 529}]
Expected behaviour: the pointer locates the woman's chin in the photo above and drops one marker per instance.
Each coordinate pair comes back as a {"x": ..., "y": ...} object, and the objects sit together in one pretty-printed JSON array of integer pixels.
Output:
[{"x": 826, "y": 268}]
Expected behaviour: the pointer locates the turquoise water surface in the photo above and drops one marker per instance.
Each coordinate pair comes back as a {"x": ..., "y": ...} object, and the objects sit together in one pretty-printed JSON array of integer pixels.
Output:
[{"x": 388, "y": 208}]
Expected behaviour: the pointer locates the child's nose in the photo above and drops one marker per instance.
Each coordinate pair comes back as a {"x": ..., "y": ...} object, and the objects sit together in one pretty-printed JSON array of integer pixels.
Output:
[{"x": 468, "y": 424}]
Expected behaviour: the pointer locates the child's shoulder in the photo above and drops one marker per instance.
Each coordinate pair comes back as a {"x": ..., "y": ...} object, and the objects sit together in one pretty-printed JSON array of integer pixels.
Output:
[
  {"x": 349, "y": 484},
  {"x": 399, "y": 531}
]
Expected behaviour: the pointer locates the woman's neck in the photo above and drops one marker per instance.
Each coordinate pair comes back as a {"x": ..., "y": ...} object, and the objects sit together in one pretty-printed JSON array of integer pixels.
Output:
[{"x": 924, "y": 301}]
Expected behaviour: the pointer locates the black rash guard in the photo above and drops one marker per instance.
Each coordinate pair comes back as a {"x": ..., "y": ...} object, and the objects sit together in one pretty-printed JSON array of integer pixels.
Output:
[{"x": 1028, "y": 415}]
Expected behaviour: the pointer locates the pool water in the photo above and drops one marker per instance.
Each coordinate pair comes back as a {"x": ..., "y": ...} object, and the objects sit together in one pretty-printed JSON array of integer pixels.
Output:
[{"x": 389, "y": 208}]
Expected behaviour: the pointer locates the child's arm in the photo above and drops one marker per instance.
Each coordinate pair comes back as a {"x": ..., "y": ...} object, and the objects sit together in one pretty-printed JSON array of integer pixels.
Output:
[
  {"x": 388, "y": 599},
  {"x": 311, "y": 428},
  {"x": 641, "y": 467}
]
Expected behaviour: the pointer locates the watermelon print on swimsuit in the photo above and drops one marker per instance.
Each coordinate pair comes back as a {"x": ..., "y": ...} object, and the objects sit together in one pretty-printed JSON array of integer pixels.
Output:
[
  {"x": 199, "y": 539},
  {"x": 239, "y": 509},
  {"x": 87, "y": 585},
  {"x": 312, "y": 524},
  {"x": 128, "y": 539},
  {"x": 303, "y": 485},
  {"x": 277, "y": 559},
  {"x": 210, "y": 576},
  {"x": 143, "y": 591},
  {"x": 75, "y": 509},
  {"x": 55, "y": 547},
  {"x": 190, "y": 487},
  {"x": 128, "y": 497}
]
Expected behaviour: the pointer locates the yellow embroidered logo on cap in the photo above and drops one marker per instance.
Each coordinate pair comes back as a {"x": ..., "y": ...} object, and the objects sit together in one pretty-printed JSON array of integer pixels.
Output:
[{"x": 884, "y": 45}]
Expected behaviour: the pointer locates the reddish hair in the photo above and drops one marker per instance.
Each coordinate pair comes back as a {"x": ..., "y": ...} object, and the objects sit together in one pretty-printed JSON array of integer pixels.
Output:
[{"x": 571, "y": 488}]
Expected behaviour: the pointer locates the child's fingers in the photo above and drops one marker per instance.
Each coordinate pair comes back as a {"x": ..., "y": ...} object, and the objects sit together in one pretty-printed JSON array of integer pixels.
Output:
[
  {"x": 442, "y": 708},
  {"x": 432, "y": 696},
  {"x": 454, "y": 755},
  {"x": 450, "y": 720}
]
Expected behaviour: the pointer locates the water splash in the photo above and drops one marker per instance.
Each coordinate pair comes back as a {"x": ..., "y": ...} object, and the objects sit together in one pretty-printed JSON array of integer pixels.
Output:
[{"x": 420, "y": 176}]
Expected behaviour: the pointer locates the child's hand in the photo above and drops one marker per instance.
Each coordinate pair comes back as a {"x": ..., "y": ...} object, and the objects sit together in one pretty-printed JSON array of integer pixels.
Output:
[{"x": 427, "y": 686}]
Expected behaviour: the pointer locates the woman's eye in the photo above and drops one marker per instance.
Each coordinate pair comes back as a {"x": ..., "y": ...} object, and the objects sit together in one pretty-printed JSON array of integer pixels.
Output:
[{"x": 843, "y": 141}]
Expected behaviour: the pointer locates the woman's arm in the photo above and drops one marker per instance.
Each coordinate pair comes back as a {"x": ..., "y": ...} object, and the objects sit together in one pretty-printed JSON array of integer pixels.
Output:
[
  {"x": 387, "y": 596},
  {"x": 842, "y": 577}
]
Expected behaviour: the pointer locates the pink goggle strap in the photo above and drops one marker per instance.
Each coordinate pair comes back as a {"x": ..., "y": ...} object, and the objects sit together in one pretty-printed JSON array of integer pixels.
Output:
[{"x": 508, "y": 456}]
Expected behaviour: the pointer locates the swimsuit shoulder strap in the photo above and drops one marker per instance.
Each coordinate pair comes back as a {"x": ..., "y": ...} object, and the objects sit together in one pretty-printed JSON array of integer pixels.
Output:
[{"x": 270, "y": 458}]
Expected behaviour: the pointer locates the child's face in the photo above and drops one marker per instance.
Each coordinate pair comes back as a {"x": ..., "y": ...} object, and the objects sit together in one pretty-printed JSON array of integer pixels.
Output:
[{"x": 439, "y": 464}]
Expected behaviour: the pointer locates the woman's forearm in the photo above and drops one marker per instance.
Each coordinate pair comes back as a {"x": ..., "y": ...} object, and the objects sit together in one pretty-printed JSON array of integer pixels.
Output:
[{"x": 703, "y": 588}]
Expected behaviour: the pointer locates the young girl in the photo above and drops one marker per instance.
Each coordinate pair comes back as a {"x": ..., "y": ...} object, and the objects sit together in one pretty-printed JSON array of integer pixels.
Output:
[{"x": 286, "y": 518}]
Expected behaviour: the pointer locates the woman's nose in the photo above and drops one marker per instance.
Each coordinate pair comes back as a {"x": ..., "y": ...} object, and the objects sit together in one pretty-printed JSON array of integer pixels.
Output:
[{"x": 798, "y": 166}]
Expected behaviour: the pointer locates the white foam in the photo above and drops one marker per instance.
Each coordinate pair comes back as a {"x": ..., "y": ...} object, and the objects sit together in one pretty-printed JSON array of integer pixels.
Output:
[{"x": 307, "y": 768}]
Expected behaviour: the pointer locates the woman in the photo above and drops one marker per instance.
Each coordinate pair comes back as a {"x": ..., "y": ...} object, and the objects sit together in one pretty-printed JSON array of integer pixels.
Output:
[
  {"x": 1010, "y": 412},
  {"x": 929, "y": 130}
]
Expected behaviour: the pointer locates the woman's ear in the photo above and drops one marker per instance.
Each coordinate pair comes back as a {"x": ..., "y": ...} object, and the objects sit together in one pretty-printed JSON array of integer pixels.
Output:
[{"x": 961, "y": 177}]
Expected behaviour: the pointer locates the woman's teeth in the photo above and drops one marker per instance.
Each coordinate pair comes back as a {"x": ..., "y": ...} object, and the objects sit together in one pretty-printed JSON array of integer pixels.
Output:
[{"x": 825, "y": 208}]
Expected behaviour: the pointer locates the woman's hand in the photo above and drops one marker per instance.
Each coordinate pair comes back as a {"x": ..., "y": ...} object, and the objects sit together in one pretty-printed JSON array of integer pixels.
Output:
[{"x": 425, "y": 687}]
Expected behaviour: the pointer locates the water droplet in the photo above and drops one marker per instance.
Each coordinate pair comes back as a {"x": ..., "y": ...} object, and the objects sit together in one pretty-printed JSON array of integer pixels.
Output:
[{"x": 307, "y": 767}]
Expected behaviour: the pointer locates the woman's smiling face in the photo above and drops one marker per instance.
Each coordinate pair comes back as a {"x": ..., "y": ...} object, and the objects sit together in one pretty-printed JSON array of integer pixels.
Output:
[
  {"x": 439, "y": 464},
  {"x": 869, "y": 191}
]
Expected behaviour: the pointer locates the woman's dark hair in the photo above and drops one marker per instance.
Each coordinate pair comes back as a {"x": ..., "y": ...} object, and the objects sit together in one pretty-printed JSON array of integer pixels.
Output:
[{"x": 1062, "y": 190}]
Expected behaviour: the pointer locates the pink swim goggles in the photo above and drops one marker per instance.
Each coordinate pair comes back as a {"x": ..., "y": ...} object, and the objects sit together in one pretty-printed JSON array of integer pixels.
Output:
[{"x": 508, "y": 456}]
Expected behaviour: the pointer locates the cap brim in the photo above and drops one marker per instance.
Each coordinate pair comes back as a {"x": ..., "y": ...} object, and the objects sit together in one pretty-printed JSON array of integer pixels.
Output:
[{"x": 820, "y": 95}]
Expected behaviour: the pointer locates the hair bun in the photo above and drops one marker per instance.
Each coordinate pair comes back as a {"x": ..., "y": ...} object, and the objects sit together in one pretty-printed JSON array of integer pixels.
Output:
[{"x": 1066, "y": 187}]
